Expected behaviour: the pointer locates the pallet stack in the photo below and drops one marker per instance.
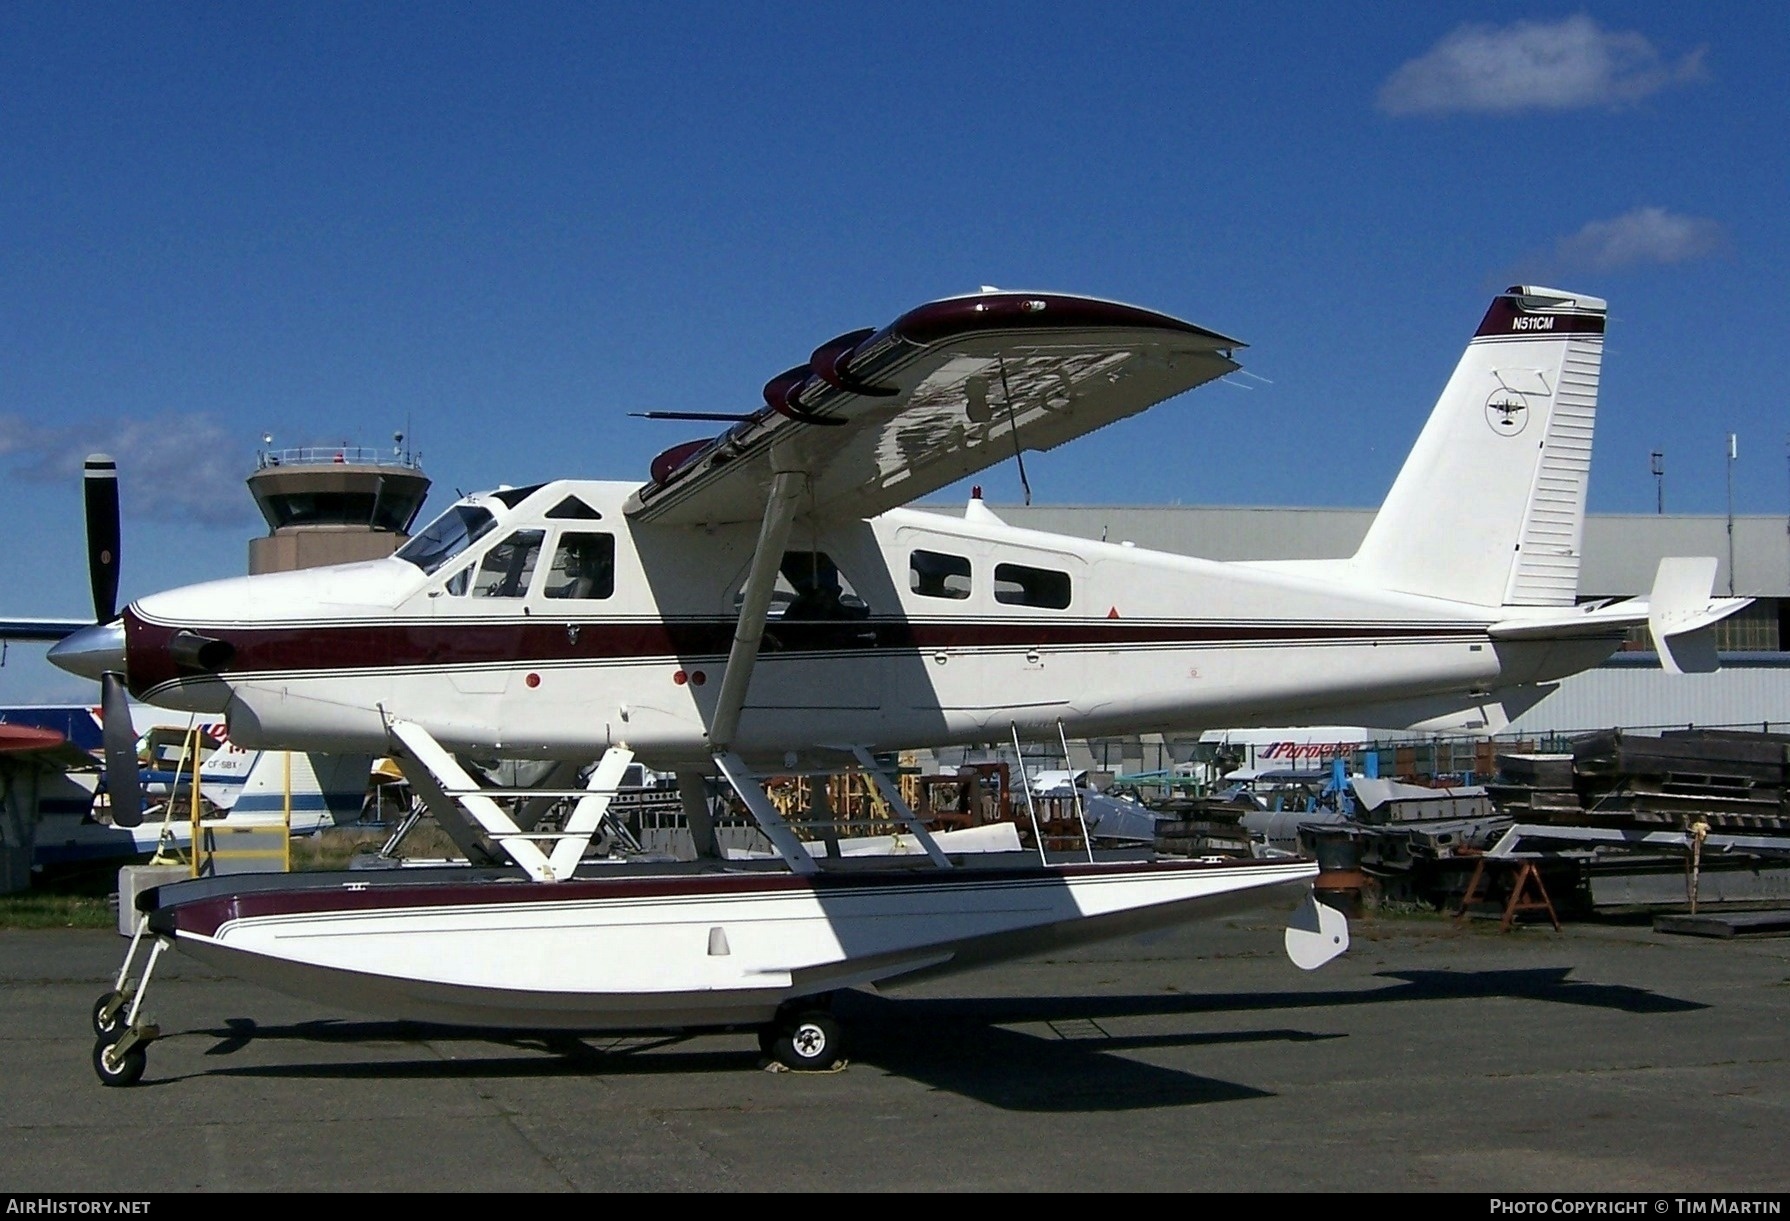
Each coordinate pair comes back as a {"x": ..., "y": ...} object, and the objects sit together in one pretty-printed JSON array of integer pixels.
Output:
[
  {"x": 1202, "y": 826},
  {"x": 1734, "y": 781}
]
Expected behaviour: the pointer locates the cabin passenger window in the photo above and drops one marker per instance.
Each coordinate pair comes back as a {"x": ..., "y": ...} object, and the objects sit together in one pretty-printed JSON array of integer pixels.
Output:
[
  {"x": 583, "y": 566},
  {"x": 508, "y": 566},
  {"x": 1018, "y": 585},
  {"x": 932, "y": 574}
]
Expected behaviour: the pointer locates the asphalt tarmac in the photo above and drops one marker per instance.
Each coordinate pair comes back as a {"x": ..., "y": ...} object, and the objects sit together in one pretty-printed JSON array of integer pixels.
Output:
[{"x": 1429, "y": 1058}]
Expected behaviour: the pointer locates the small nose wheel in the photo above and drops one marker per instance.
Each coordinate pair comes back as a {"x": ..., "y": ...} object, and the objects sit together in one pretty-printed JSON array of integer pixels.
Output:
[
  {"x": 807, "y": 1041},
  {"x": 108, "y": 1014},
  {"x": 124, "y": 1035},
  {"x": 120, "y": 1062}
]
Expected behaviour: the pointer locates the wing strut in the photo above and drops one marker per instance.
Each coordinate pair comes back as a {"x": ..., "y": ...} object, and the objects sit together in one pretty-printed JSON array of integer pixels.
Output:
[
  {"x": 782, "y": 838},
  {"x": 472, "y": 817},
  {"x": 905, "y": 812},
  {"x": 755, "y": 603},
  {"x": 587, "y": 816},
  {"x": 787, "y": 489}
]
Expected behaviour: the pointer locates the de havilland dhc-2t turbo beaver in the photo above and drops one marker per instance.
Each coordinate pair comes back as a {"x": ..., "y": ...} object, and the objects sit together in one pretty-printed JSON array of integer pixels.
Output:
[{"x": 764, "y": 603}]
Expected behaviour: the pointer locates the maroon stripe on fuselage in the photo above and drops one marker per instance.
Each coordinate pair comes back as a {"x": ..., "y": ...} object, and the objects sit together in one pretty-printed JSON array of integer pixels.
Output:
[
  {"x": 295, "y": 648},
  {"x": 204, "y": 916}
]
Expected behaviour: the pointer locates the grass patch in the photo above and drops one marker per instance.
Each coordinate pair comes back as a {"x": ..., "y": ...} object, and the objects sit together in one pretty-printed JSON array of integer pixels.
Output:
[
  {"x": 35, "y": 910},
  {"x": 85, "y": 896},
  {"x": 1406, "y": 909},
  {"x": 334, "y": 848}
]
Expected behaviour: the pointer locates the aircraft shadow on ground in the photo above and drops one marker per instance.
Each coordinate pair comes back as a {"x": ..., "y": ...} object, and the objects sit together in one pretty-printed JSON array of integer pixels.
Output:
[
  {"x": 965, "y": 1054},
  {"x": 961, "y": 1045},
  {"x": 1546, "y": 984}
]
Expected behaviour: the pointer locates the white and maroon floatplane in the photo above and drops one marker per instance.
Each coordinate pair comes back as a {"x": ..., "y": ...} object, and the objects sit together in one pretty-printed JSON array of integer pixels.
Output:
[{"x": 767, "y": 604}]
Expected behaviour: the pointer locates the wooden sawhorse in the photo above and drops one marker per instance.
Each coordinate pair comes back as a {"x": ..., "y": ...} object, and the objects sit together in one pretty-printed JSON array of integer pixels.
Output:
[{"x": 1527, "y": 893}]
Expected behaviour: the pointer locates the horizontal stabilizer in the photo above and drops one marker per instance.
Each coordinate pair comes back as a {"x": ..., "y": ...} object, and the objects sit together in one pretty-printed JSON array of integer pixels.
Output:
[
  {"x": 1574, "y": 624},
  {"x": 1678, "y": 614},
  {"x": 1682, "y": 613}
]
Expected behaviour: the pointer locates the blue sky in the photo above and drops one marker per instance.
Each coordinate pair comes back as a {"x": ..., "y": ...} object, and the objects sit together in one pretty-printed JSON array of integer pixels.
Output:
[{"x": 511, "y": 225}]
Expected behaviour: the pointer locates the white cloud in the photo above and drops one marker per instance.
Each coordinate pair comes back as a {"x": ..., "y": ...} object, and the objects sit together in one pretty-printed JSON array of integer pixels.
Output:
[
  {"x": 170, "y": 468},
  {"x": 18, "y": 434},
  {"x": 1645, "y": 235},
  {"x": 1533, "y": 65}
]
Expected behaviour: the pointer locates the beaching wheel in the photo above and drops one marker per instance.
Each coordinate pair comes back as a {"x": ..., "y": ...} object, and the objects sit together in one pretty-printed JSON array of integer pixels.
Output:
[
  {"x": 119, "y": 1068},
  {"x": 808, "y": 1042}
]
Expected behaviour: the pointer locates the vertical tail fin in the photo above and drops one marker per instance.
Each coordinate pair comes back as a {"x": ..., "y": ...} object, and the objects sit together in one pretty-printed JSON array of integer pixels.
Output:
[{"x": 1490, "y": 506}]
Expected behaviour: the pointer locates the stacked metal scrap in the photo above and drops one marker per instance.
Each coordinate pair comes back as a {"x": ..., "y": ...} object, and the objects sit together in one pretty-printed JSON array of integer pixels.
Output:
[
  {"x": 1202, "y": 826},
  {"x": 1693, "y": 815},
  {"x": 1417, "y": 841},
  {"x": 1405, "y": 846},
  {"x": 1731, "y": 780}
]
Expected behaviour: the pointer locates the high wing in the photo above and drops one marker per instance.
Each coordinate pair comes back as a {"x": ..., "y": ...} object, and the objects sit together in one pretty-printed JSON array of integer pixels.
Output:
[
  {"x": 876, "y": 419},
  {"x": 33, "y": 746},
  {"x": 41, "y": 629}
]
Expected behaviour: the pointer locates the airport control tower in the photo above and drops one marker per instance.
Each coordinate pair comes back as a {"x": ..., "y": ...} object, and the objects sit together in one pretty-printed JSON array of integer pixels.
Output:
[{"x": 333, "y": 504}]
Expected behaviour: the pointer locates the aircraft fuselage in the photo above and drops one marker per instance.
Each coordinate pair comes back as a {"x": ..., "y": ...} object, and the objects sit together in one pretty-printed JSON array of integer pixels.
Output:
[{"x": 951, "y": 630}]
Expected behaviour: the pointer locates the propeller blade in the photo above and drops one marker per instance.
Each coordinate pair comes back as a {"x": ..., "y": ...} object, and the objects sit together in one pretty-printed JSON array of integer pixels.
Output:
[
  {"x": 120, "y": 737},
  {"x": 100, "y": 491}
]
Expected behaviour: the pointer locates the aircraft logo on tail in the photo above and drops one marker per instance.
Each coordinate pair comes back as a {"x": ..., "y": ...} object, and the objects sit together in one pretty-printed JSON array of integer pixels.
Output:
[{"x": 1507, "y": 411}]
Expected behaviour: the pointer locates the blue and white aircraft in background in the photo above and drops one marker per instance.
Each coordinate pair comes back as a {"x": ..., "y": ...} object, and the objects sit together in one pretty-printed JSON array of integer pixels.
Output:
[{"x": 59, "y": 745}]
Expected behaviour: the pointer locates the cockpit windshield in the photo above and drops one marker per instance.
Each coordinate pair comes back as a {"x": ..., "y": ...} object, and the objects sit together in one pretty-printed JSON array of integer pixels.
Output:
[{"x": 447, "y": 536}]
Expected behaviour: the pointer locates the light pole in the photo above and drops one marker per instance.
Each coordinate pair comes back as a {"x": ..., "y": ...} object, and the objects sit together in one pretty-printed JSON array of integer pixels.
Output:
[
  {"x": 1733, "y": 453},
  {"x": 1659, "y": 479}
]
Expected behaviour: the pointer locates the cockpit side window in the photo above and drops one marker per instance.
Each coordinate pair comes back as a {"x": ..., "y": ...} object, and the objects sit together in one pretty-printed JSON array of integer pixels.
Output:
[
  {"x": 460, "y": 582},
  {"x": 818, "y": 590},
  {"x": 810, "y": 586},
  {"x": 583, "y": 566},
  {"x": 447, "y": 536},
  {"x": 507, "y": 567}
]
